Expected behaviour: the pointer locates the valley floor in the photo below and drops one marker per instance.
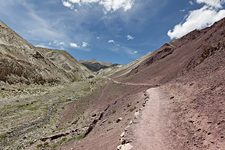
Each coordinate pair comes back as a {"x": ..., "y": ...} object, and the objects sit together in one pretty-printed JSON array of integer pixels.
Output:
[
  {"x": 30, "y": 115},
  {"x": 117, "y": 115}
]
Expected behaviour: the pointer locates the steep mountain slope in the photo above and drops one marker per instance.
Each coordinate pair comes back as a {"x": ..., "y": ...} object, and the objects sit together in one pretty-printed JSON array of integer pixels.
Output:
[
  {"x": 180, "y": 56},
  {"x": 22, "y": 62},
  {"x": 191, "y": 71}
]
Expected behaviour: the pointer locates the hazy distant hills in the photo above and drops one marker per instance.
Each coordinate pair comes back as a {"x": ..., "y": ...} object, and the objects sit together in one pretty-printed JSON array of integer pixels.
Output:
[{"x": 95, "y": 66}]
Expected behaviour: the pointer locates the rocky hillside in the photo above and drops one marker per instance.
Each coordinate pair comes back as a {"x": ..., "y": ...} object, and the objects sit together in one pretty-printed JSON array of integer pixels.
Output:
[
  {"x": 22, "y": 62},
  {"x": 179, "y": 57},
  {"x": 190, "y": 71}
]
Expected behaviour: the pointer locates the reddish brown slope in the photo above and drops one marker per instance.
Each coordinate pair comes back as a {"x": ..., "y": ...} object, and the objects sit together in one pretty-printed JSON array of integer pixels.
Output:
[
  {"x": 191, "y": 69},
  {"x": 180, "y": 56}
]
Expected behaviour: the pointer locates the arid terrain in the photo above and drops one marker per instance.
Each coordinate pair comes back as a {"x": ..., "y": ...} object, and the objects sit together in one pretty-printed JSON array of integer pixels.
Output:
[{"x": 170, "y": 99}]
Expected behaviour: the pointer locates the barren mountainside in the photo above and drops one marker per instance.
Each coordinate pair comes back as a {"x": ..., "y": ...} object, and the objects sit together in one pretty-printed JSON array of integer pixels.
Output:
[
  {"x": 191, "y": 71},
  {"x": 180, "y": 57},
  {"x": 22, "y": 62}
]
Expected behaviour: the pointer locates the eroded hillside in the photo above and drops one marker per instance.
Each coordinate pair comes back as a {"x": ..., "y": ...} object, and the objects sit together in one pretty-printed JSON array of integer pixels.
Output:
[{"x": 22, "y": 62}]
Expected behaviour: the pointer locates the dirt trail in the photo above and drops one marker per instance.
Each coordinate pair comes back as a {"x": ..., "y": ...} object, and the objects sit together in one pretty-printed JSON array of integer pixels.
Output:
[
  {"x": 152, "y": 130},
  {"x": 129, "y": 83},
  {"x": 150, "y": 133}
]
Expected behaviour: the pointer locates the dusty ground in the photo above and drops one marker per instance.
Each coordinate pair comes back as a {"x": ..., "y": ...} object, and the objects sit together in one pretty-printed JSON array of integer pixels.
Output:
[
  {"x": 174, "y": 116},
  {"x": 116, "y": 101},
  {"x": 152, "y": 130},
  {"x": 128, "y": 116},
  {"x": 30, "y": 113}
]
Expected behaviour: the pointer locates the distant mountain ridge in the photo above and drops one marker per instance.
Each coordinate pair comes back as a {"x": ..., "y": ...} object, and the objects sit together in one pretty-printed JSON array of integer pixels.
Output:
[
  {"x": 95, "y": 65},
  {"x": 21, "y": 62}
]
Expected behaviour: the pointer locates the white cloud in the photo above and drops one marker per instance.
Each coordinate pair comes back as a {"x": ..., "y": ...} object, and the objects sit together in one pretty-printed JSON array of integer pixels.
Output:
[
  {"x": 57, "y": 43},
  {"x": 212, "y": 3},
  {"x": 42, "y": 46},
  {"x": 67, "y": 4},
  {"x": 54, "y": 44},
  {"x": 74, "y": 45},
  {"x": 131, "y": 52},
  {"x": 197, "y": 19},
  {"x": 182, "y": 10},
  {"x": 129, "y": 37},
  {"x": 84, "y": 44},
  {"x": 109, "y": 5},
  {"x": 135, "y": 52},
  {"x": 62, "y": 43},
  {"x": 111, "y": 41},
  {"x": 191, "y": 3}
]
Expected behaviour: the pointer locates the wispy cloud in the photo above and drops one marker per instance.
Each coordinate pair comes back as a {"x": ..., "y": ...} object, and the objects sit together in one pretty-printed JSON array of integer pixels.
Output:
[
  {"x": 84, "y": 44},
  {"x": 212, "y": 3},
  {"x": 111, "y": 41},
  {"x": 132, "y": 52},
  {"x": 109, "y": 5},
  {"x": 74, "y": 45},
  {"x": 43, "y": 46},
  {"x": 129, "y": 37}
]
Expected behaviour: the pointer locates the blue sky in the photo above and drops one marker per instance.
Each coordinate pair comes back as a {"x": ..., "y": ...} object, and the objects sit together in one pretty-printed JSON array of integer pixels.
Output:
[{"x": 119, "y": 31}]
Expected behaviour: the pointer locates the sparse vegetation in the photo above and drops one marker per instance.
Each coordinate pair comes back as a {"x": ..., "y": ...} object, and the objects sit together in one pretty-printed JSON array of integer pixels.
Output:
[
  {"x": 44, "y": 145},
  {"x": 2, "y": 136},
  {"x": 39, "y": 112},
  {"x": 114, "y": 111}
]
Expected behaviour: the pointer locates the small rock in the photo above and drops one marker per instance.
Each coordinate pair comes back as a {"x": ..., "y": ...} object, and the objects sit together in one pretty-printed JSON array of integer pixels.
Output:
[
  {"x": 191, "y": 121},
  {"x": 122, "y": 134},
  {"x": 94, "y": 115},
  {"x": 104, "y": 120},
  {"x": 126, "y": 129},
  {"x": 127, "y": 146},
  {"x": 131, "y": 122},
  {"x": 136, "y": 114},
  {"x": 146, "y": 98},
  {"x": 69, "y": 99},
  {"x": 119, "y": 119},
  {"x": 119, "y": 147},
  {"x": 172, "y": 97},
  {"x": 191, "y": 84},
  {"x": 123, "y": 141}
]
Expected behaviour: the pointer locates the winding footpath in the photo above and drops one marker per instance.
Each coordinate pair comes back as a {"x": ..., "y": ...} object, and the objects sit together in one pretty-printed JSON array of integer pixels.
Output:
[
  {"x": 129, "y": 83},
  {"x": 150, "y": 132}
]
